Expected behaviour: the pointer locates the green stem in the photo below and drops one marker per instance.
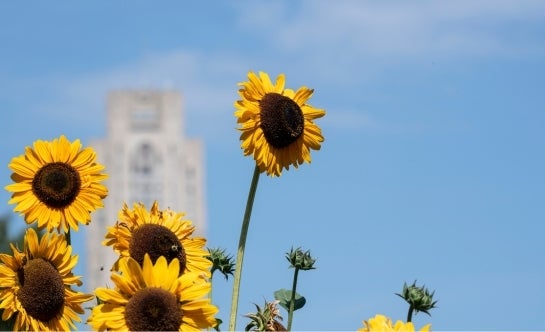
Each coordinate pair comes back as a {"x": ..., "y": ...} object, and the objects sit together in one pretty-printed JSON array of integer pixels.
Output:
[
  {"x": 410, "y": 313},
  {"x": 240, "y": 252},
  {"x": 67, "y": 237},
  {"x": 292, "y": 300}
]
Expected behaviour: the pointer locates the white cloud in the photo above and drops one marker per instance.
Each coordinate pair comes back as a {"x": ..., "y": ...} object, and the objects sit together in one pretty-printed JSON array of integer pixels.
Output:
[
  {"x": 398, "y": 28},
  {"x": 329, "y": 45}
]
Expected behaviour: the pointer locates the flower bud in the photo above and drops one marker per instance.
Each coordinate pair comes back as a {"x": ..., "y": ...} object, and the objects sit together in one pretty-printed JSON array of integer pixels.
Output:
[
  {"x": 265, "y": 319},
  {"x": 419, "y": 298},
  {"x": 300, "y": 260},
  {"x": 221, "y": 261}
]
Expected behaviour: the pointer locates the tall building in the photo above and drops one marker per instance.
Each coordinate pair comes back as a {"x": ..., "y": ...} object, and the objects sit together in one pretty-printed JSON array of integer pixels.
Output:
[{"x": 147, "y": 158}]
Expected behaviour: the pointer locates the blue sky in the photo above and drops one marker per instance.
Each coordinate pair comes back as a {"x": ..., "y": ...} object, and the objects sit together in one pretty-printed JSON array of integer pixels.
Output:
[{"x": 432, "y": 166}]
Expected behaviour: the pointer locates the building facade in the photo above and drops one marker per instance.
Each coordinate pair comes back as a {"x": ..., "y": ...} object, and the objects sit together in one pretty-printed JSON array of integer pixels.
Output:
[{"x": 147, "y": 158}]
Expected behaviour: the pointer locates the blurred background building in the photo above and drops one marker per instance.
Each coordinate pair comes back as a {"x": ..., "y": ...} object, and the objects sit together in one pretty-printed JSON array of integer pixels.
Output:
[{"x": 147, "y": 158}]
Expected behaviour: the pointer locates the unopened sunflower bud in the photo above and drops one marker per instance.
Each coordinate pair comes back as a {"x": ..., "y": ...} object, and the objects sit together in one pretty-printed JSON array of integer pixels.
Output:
[
  {"x": 300, "y": 259},
  {"x": 265, "y": 319},
  {"x": 221, "y": 261},
  {"x": 419, "y": 298}
]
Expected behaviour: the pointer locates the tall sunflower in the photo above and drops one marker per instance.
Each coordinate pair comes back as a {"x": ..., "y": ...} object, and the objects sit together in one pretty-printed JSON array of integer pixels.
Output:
[
  {"x": 277, "y": 124},
  {"x": 158, "y": 233},
  {"x": 35, "y": 285},
  {"x": 153, "y": 297},
  {"x": 57, "y": 184}
]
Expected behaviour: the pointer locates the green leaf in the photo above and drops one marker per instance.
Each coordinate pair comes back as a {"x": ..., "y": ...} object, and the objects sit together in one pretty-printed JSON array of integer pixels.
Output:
[{"x": 284, "y": 296}]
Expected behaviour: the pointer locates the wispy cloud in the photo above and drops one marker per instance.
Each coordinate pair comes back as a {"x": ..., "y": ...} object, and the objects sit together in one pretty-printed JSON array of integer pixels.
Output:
[
  {"x": 400, "y": 28},
  {"x": 330, "y": 45}
]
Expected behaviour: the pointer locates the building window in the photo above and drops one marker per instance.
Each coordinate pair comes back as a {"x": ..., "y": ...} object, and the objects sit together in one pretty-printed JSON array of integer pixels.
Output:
[
  {"x": 146, "y": 171},
  {"x": 145, "y": 119}
]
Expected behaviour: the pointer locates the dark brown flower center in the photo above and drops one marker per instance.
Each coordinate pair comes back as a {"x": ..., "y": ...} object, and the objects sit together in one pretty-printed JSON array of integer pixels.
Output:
[
  {"x": 56, "y": 184},
  {"x": 42, "y": 289},
  {"x": 153, "y": 309},
  {"x": 156, "y": 241},
  {"x": 282, "y": 120}
]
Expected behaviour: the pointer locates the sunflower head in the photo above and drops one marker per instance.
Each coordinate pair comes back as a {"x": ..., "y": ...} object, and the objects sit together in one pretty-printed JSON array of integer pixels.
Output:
[
  {"x": 277, "y": 124},
  {"x": 57, "y": 184},
  {"x": 35, "y": 285},
  {"x": 381, "y": 323},
  {"x": 158, "y": 233},
  {"x": 153, "y": 297}
]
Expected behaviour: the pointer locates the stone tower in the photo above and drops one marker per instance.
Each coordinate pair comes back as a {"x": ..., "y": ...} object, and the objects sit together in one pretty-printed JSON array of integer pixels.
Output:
[{"x": 147, "y": 158}]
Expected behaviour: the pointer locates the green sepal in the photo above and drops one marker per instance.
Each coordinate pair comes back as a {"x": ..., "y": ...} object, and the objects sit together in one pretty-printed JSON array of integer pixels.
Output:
[{"x": 218, "y": 323}]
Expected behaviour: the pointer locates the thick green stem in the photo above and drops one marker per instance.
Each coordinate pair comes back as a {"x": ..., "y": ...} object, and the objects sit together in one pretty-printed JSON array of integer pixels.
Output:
[
  {"x": 292, "y": 300},
  {"x": 410, "y": 313},
  {"x": 68, "y": 237},
  {"x": 240, "y": 252}
]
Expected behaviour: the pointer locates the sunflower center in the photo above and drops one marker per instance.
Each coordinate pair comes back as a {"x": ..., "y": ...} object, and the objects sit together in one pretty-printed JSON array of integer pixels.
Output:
[
  {"x": 282, "y": 120},
  {"x": 56, "y": 184},
  {"x": 42, "y": 289},
  {"x": 153, "y": 309},
  {"x": 156, "y": 241}
]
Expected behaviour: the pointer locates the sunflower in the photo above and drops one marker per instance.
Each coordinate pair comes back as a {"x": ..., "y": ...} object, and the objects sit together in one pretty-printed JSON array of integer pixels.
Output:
[
  {"x": 384, "y": 324},
  {"x": 35, "y": 285},
  {"x": 57, "y": 184},
  {"x": 158, "y": 233},
  {"x": 276, "y": 123},
  {"x": 153, "y": 297}
]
